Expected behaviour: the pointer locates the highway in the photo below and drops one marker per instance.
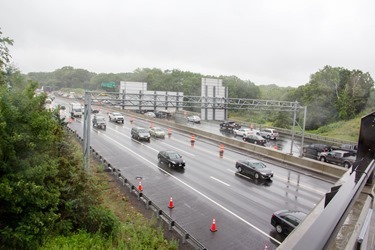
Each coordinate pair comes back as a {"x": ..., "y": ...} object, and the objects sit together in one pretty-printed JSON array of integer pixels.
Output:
[{"x": 209, "y": 188}]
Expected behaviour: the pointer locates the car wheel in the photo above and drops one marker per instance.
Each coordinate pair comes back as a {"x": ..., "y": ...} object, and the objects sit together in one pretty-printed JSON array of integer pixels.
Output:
[
  {"x": 256, "y": 175},
  {"x": 255, "y": 142},
  {"x": 122, "y": 121},
  {"x": 239, "y": 169},
  {"x": 346, "y": 165},
  {"x": 279, "y": 229},
  {"x": 268, "y": 137},
  {"x": 244, "y": 139},
  {"x": 323, "y": 159},
  {"x": 110, "y": 119},
  {"x": 170, "y": 165}
]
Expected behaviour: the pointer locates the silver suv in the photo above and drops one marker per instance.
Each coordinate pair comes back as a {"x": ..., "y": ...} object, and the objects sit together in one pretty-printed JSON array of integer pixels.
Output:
[
  {"x": 141, "y": 134},
  {"x": 269, "y": 133}
]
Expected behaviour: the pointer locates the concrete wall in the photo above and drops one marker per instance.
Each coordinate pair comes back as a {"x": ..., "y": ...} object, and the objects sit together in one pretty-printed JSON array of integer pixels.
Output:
[{"x": 305, "y": 163}]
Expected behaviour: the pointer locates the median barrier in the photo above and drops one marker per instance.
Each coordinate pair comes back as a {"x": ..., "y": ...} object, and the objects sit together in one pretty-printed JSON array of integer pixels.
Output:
[{"x": 305, "y": 163}]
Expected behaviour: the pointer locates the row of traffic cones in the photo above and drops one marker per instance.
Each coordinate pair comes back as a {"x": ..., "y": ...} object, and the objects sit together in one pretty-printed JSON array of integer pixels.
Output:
[{"x": 171, "y": 205}]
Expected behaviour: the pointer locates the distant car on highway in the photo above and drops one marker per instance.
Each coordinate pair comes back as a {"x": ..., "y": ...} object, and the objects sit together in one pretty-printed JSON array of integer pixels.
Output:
[
  {"x": 171, "y": 158},
  {"x": 254, "y": 168},
  {"x": 285, "y": 221},
  {"x": 242, "y": 132},
  {"x": 157, "y": 132},
  {"x": 116, "y": 117},
  {"x": 341, "y": 157},
  {"x": 194, "y": 118},
  {"x": 256, "y": 139},
  {"x": 229, "y": 126},
  {"x": 269, "y": 133},
  {"x": 99, "y": 122},
  {"x": 312, "y": 150},
  {"x": 150, "y": 114},
  {"x": 141, "y": 134}
]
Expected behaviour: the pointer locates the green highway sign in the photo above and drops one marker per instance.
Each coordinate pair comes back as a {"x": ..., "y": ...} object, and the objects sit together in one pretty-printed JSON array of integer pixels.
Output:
[{"x": 108, "y": 85}]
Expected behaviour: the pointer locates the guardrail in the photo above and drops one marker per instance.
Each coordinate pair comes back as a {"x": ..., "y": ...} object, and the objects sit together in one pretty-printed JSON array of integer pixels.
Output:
[
  {"x": 319, "y": 228},
  {"x": 172, "y": 224}
]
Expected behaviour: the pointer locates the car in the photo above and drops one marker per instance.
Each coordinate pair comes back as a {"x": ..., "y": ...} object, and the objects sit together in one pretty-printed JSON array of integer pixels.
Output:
[
  {"x": 99, "y": 122},
  {"x": 116, "y": 117},
  {"x": 157, "y": 132},
  {"x": 141, "y": 134},
  {"x": 341, "y": 157},
  {"x": 171, "y": 158},
  {"x": 242, "y": 132},
  {"x": 256, "y": 139},
  {"x": 269, "y": 133},
  {"x": 312, "y": 150},
  {"x": 285, "y": 221},
  {"x": 194, "y": 119},
  {"x": 254, "y": 168},
  {"x": 229, "y": 126},
  {"x": 150, "y": 114}
]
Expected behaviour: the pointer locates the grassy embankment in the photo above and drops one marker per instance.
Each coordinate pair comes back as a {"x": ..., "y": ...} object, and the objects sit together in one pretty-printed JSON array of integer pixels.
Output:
[{"x": 135, "y": 230}]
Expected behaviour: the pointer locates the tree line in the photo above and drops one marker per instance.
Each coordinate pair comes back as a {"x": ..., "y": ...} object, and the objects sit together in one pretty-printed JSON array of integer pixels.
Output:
[{"x": 332, "y": 94}]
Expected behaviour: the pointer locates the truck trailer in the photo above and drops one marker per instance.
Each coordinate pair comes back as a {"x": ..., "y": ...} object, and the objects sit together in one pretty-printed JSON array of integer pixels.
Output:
[{"x": 75, "y": 109}]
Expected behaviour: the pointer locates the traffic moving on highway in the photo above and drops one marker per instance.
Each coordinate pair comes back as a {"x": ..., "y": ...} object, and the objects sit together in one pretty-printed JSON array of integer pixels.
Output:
[{"x": 205, "y": 184}]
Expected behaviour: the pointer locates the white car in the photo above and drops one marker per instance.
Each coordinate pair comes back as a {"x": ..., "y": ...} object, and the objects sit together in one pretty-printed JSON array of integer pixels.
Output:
[
  {"x": 150, "y": 114},
  {"x": 194, "y": 118},
  {"x": 243, "y": 132},
  {"x": 116, "y": 117},
  {"x": 269, "y": 133}
]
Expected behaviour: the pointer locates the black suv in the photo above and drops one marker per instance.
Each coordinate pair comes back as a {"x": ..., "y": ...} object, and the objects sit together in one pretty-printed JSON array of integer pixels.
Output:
[
  {"x": 229, "y": 126},
  {"x": 99, "y": 122},
  {"x": 312, "y": 151},
  {"x": 141, "y": 134}
]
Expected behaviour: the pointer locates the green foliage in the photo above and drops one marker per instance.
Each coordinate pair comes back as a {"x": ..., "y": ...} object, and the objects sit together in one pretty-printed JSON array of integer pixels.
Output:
[{"x": 333, "y": 94}]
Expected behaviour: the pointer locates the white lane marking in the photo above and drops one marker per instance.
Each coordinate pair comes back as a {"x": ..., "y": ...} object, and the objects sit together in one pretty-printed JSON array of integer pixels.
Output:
[
  {"x": 219, "y": 181},
  {"x": 197, "y": 191}
]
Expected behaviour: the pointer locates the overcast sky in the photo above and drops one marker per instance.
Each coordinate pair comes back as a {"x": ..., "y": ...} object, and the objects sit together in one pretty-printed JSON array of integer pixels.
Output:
[{"x": 278, "y": 42}]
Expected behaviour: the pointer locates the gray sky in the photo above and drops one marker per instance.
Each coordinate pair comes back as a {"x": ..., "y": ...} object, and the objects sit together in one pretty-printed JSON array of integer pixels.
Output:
[{"x": 265, "y": 41}]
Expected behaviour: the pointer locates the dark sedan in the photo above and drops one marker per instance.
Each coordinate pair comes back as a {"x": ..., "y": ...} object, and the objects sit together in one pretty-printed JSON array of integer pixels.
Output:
[
  {"x": 171, "y": 158},
  {"x": 256, "y": 139},
  {"x": 285, "y": 220},
  {"x": 254, "y": 168}
]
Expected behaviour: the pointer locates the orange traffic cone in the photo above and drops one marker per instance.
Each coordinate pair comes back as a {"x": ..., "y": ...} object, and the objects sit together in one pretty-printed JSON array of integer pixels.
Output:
[
  {"x": 192, "y": 138},
  {"x": 70, "y": 120},
  {"x": 169, "y": 132},
  {"x": 140, "y": 188},
  {"x": 171, "y": 205},
  {"x": 266, "y": 246},
  {"x": 151, "y": 124},
  {"x": 131, "y": 119},
  {"x": 221, "y": 149},
  {"x": 213, "y": 226}
]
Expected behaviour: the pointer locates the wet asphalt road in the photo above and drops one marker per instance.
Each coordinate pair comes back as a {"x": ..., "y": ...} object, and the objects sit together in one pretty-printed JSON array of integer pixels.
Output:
[{"x": 208, "y": 188}]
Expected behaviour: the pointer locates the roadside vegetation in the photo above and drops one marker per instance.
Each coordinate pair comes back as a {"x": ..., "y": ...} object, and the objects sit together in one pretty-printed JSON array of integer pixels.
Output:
[{"x": 47, "y": 199}]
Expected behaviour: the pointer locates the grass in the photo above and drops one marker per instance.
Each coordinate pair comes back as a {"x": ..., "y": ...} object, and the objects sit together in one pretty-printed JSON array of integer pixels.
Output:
[{"x": 135, "y": 231}]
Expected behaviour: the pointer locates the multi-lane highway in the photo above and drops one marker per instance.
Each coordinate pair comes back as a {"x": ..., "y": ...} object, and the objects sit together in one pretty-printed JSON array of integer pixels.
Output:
[{"x": 208, "y": 188}]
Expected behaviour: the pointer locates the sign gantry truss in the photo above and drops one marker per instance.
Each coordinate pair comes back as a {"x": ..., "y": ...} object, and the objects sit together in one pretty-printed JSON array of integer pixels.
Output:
[{"x": 153, "y": 101}]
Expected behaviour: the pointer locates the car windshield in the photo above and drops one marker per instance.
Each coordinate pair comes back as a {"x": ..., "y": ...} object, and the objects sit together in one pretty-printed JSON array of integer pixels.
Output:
[
  {"x": 116, "y": 113},
  {"x": 142, "y": 130},
  {"x": 258, "y": 165},
  {"x": 158, "y": 130},
  {"x": 174, "y": 156},
  {"x": 100, "y": 118}
]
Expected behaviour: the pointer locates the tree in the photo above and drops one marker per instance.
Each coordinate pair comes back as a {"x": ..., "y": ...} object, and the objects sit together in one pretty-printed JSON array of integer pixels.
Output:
[{"x": 4, "y": 58}]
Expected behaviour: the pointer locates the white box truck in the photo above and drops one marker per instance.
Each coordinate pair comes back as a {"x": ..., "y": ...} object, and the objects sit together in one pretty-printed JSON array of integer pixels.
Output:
[{"x": 75, "y": 109}]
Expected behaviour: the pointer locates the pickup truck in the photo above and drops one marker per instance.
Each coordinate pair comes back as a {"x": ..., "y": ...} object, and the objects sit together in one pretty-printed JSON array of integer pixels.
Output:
[
  {"x": 340, "y": 157},
  {"x": 229, "y": 126},
  {"x": 116, "y": 117}
]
